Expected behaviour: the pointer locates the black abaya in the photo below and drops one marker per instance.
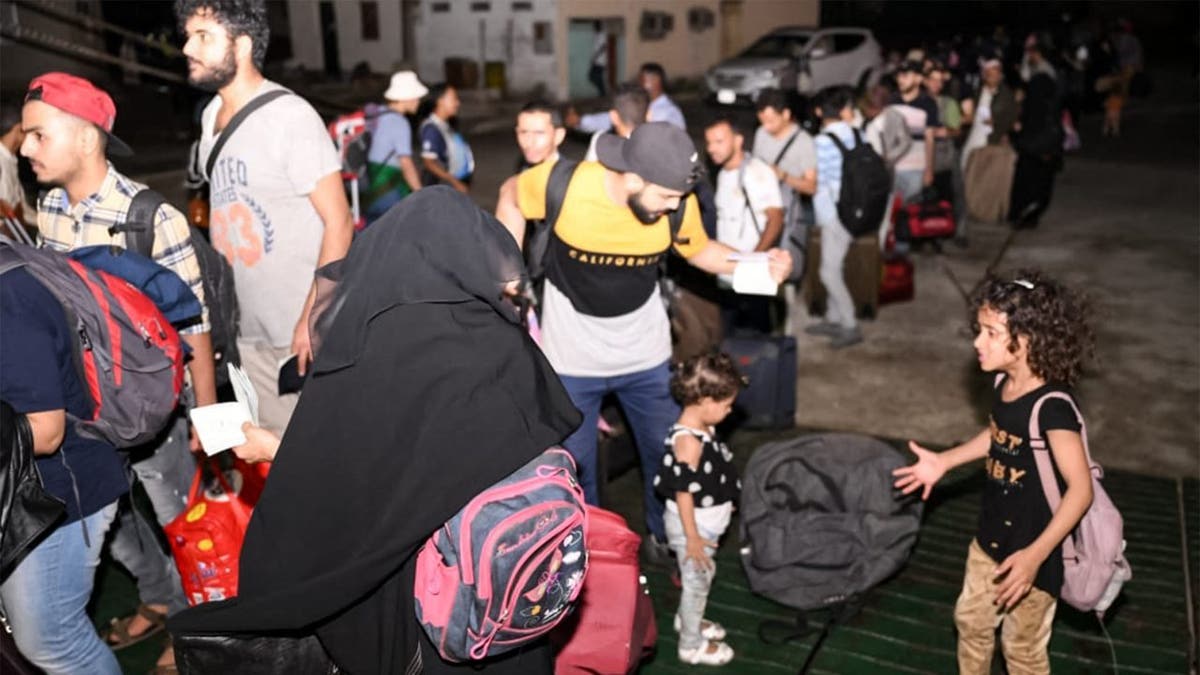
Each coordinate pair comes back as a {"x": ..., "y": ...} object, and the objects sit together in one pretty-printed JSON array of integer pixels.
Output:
[{"x": 424, "y": 392}]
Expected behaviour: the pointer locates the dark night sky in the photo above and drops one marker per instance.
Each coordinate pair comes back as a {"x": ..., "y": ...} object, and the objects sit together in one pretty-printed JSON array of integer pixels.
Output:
[{"x": 904, "y": 23}]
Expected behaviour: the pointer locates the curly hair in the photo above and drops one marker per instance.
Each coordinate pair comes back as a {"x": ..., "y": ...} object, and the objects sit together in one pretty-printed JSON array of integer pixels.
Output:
[
  {"x": 237, "y": 17},
  {"x": 1054, "y": 319},
  {"x": 712, "y": 375}
]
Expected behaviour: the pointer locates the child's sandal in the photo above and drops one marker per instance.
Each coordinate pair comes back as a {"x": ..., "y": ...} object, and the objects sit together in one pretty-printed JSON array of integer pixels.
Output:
[
  {"x": 709, "y": 630},
  {"x": 701, "y": 656}
]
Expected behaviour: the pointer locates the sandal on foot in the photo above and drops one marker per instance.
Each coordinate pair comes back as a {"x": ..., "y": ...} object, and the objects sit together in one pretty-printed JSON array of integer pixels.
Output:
[
  {"x": 119, "y": 628},
  {"x": 709, "y": 630},
  {"x": 701, "y": 656}
]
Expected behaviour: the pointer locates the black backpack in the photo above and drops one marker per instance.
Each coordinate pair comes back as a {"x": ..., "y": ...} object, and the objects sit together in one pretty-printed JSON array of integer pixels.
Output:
[
  {"x": 537, "y": 238},
  {"x": 866, "y": 186},
  {"x": 215, "y": 274},
  {"x": 821, "y": 521}
]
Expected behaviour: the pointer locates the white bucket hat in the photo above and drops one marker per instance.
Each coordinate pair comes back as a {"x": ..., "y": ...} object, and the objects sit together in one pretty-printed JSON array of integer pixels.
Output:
[{"x": 405, "y": 87}]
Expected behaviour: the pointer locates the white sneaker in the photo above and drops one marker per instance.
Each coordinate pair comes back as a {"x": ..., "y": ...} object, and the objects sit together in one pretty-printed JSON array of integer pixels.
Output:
[
  {"x": 709, "y": 630},
  {"x": 703, "y": 657}
]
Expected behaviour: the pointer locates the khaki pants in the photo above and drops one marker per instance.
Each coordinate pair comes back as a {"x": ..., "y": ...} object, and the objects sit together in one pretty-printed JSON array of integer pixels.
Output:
[
  {"x": 261, "y": 364},
  {"x": 1024, "y": 632}
]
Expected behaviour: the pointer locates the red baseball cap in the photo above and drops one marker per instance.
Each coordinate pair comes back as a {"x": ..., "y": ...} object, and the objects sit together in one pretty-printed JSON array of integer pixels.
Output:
[{"x": 82, "y": 99}]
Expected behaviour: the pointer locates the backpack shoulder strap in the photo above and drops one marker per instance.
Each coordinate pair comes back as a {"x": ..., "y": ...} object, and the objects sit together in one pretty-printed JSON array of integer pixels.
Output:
[
  {"x": 241, "y": 115},
  {"x": 9, "y": 260},
  {"x": 745, "y": 196},
  {"x": 675, "y": 221},
  {"x": 837, "y": 142},
  {"x": 786, "y": 146},
  {"x": 1041, "y": 451},
  {"x": 138, "y": 225},
  {"x": 556, "y": 188}
]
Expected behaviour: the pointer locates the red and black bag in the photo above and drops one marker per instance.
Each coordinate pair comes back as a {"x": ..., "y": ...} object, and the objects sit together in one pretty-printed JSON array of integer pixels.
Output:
[
  {"x": 128, "y": 355},
  {"x": 930, "y": 218}
]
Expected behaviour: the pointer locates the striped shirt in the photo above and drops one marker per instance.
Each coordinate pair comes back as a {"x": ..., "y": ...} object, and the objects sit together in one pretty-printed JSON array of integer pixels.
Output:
[
  {"x": 829, "y": 158},
  {"x": 62, "y": 227}
]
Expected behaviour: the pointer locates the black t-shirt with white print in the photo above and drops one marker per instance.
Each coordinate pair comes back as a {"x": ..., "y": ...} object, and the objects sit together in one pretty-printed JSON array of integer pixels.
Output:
[
  {"x": 1015, "y": 511},
  {"x": 713, "y": 482}
]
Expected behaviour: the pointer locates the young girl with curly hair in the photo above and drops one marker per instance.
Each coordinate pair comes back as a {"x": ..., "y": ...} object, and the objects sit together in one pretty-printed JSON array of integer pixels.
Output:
[
  {"x": 700, "y": 484},
  {"x": 1035, "y": 334}
]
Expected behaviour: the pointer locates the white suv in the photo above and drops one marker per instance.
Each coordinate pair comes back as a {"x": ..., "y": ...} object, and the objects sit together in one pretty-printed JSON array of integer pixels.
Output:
[{"x": 801, "y": 59}]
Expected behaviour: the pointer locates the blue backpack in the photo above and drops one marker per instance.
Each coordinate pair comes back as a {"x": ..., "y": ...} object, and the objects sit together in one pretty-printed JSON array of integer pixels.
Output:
[{"x": 508, "y": 567}]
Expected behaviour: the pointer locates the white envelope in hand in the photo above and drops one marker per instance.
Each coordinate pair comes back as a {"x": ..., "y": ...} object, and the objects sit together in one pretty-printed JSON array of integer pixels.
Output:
[
  {"x": 219, "y": 426},
  {"x": 752, "y": 276}
]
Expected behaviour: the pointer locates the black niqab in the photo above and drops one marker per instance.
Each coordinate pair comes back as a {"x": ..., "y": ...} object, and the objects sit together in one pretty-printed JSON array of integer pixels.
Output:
[{"x": 424, "y": 392}]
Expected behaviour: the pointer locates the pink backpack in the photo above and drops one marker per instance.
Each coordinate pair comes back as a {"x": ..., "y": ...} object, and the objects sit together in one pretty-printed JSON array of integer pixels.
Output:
[
  {"x": 1094, "y": 565},
  {"x": 509, "y": 566}
]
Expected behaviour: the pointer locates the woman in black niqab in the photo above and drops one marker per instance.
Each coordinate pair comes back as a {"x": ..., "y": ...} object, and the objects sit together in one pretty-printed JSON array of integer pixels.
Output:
[{"x": 425, "y": 391}]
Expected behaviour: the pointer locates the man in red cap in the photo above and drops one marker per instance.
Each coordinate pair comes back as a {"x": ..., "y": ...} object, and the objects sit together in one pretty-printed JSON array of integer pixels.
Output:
[{"x": 68, "y": 124}]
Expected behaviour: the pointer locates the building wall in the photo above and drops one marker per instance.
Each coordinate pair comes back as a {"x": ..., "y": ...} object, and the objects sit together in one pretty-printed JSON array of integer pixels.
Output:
[
  {"x": 759, "y": 17},
  {"x": 682, "y": 52},
  {"x": 382, "y": 55},
  {"x": 23, "y": 61},
  {"x": 499, "y": 33}
]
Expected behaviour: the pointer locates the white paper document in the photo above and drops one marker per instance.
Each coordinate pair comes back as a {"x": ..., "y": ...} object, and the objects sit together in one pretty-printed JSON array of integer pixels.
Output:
[
  {"x": 219, "y": 426},
  {"x": 752, "y": 275}
]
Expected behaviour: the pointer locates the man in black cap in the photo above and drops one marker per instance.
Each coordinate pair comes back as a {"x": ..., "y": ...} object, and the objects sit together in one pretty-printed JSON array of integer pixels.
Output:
[{"x": 604, "y": 327}]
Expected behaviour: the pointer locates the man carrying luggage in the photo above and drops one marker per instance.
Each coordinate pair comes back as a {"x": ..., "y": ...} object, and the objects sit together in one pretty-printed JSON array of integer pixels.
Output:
[
  {"x": 604, "y": 325},
  {"x": 68, "y": 133}
]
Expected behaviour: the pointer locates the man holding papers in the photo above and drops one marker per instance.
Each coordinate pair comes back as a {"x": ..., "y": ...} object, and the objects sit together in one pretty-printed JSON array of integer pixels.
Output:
[
  {"x": 749, "y": 218},
  {"x": 604, "y": 326}
]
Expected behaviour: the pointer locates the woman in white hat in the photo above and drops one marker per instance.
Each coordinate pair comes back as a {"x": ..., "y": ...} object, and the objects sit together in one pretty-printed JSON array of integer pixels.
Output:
[{"x": 391, "y": 172}]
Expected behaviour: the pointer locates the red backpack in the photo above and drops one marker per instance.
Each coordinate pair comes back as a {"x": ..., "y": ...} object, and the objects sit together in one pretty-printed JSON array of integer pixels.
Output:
[{"x": 129, "y": 357}]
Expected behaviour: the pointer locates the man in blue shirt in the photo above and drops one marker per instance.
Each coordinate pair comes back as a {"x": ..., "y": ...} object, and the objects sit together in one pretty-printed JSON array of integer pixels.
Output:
[
  {"x": 653, "y": 79},
  {"x": 45, "y": 597},
  {"x": 391, "y": 172},
  {"x": 835, "y": 107}
]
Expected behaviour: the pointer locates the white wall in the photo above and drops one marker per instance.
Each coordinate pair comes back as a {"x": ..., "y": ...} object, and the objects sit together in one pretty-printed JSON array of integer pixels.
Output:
[
  {"x": 382, "y": 54},
  {"x": 508, "y": 37}
]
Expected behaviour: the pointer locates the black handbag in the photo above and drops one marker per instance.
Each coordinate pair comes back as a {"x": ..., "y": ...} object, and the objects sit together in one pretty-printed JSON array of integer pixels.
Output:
[
  {"x": 197, "y": 654},
  {"x": 27, "y": 511}
]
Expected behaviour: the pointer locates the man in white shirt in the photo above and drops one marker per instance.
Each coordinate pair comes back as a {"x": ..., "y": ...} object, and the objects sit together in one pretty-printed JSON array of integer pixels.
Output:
[
  {"x": 749, "y": 218},
  {"x": 598, "y": 67},
  {"x": 279, "y": 208}
]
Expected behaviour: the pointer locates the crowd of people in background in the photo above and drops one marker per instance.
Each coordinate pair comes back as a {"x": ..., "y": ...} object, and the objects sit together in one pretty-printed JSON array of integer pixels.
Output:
[{"x": 983, "y": 124}]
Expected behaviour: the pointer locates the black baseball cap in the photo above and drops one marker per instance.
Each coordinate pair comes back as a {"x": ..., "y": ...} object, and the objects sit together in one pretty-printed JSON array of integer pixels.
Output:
[
  {"x": 659, "y": 152},
  {"x": 911, "y": 66}
]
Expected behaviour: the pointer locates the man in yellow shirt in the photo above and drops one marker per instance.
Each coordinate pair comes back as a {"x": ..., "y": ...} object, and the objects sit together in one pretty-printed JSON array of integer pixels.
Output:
[{"x": 604, "y": 326}]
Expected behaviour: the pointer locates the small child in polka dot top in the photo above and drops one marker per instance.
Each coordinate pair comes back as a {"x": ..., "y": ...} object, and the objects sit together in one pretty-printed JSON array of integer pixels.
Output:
[{"x": 701, "y": 486}]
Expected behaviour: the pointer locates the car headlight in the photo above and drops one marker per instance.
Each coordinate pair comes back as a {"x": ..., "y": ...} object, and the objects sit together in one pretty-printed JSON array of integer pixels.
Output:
[{"x": 767, "y": 74}]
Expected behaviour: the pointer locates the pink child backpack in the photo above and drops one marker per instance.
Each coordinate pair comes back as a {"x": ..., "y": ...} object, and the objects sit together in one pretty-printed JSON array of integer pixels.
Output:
[
  {"x": 1094, "y": 565},
  {"x": 509, "y": 566}
]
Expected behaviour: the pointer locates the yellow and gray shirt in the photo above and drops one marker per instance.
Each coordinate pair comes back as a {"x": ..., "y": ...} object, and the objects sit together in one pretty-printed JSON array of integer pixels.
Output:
[{"x": 602, "y": 316}]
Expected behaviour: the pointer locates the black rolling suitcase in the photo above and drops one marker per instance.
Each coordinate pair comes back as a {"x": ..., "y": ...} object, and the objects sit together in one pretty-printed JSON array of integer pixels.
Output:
[{"x": 769, "y": 402}]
